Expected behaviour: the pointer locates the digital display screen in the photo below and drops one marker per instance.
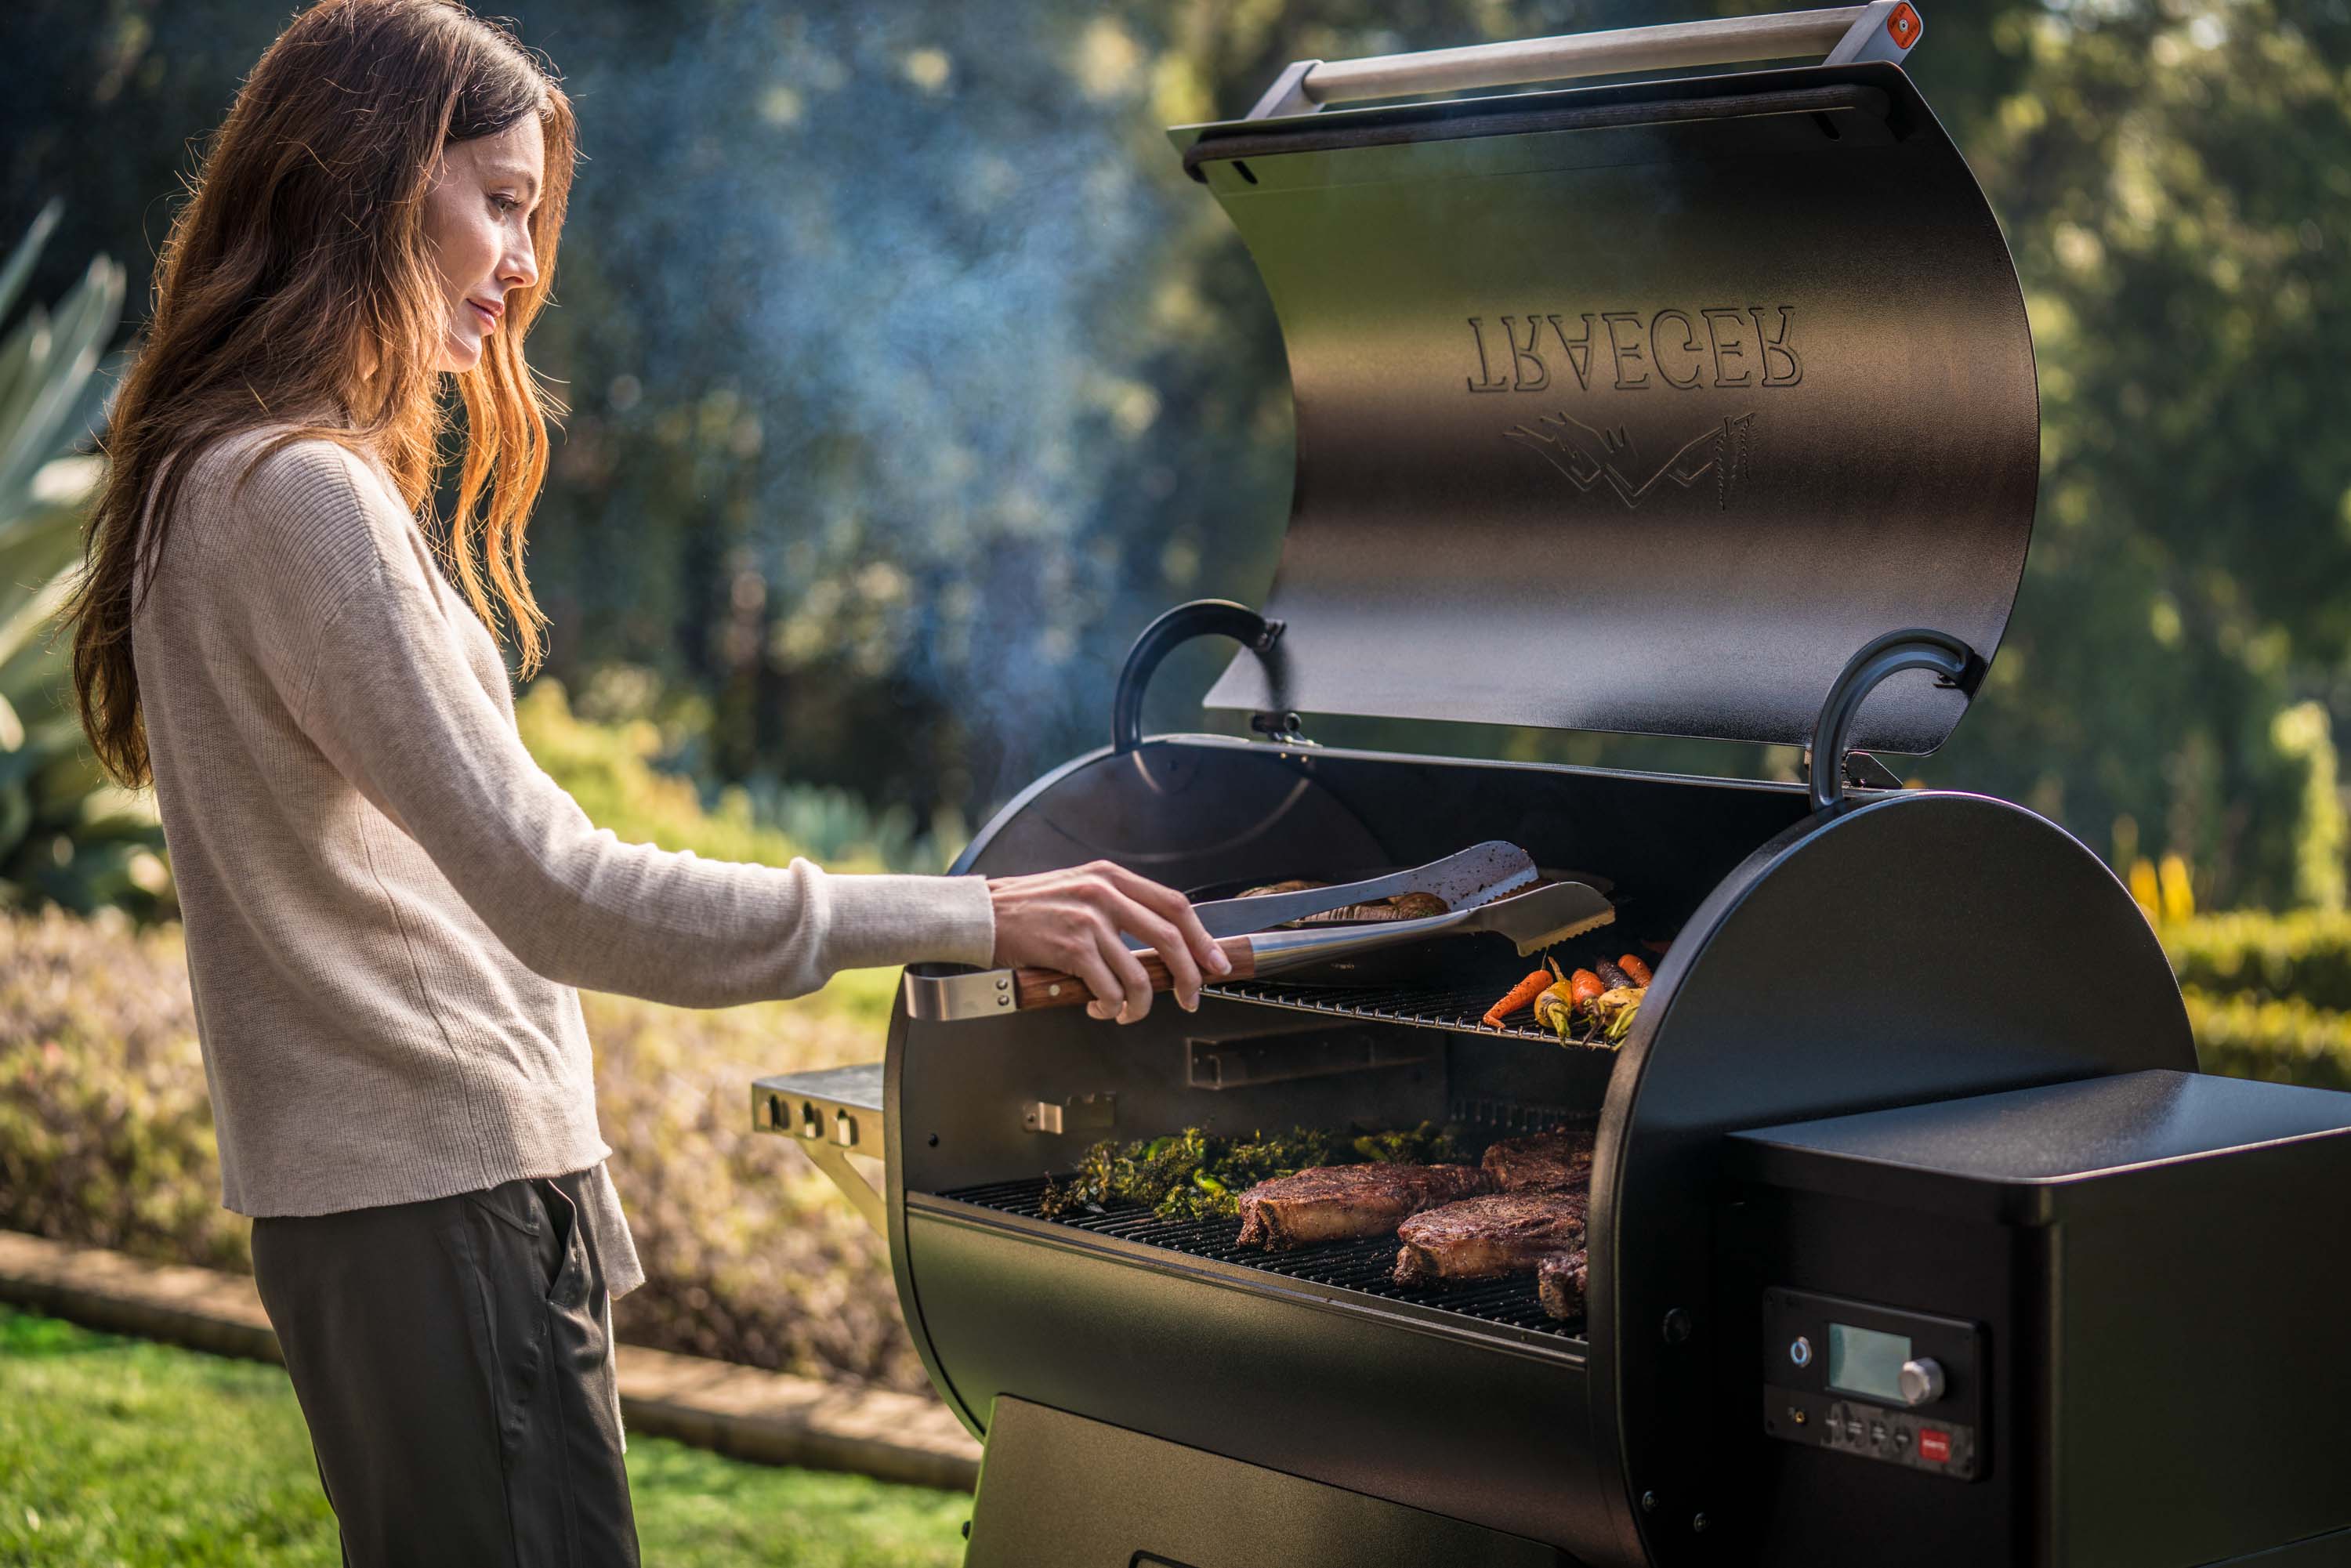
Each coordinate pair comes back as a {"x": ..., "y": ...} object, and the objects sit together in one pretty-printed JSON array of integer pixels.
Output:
[{"x": 1864, "y": 1362}]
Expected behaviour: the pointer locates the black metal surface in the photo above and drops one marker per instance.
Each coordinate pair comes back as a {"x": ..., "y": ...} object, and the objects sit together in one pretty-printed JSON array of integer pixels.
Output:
[
  {"x": 1060, "y": 1491},
  {"x": 1359, "y": 1268},
  {"x": 1952, "y": 662},
  {"x": 2035, "y": 1157},
  {"x": 2161, "y": 1374},
  {"x": 1186, "y": 813},
  {"x": 1910, "y": 949},
  {"x": 1789, "y": 403},
  {"x": 1200, "y": 618},
  {"x": 1428, "y": 1409}
]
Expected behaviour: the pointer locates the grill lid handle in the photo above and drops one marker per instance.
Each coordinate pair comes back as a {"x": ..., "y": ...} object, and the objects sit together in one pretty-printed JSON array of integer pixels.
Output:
[
  {"x": 1200, "y": 618},
  {"x": 1955, "y": 666},
  {"x": 1885, "y": 30}
]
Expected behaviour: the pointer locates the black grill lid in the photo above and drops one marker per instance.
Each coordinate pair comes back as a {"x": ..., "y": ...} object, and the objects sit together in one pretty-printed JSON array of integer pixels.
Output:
[{"x": 1636, "y": 408}]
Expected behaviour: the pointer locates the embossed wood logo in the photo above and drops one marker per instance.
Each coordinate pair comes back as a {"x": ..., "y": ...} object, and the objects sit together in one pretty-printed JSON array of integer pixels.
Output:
[{"x": 1591, "y": 457}]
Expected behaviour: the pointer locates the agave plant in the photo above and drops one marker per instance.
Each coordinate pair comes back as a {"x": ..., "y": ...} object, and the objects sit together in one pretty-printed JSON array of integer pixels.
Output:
[{"x": 66, "y": 833}]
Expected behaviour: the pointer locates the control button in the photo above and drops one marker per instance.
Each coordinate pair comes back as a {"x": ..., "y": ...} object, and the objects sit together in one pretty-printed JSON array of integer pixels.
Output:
[
  {"x": 1934, "y": 1445},
  {"x": 1853, "y": 1427},
  {"x": 1901, "y": 1441},
  {"x": 1878, "y": 1434},
  {"x": 1922, "y": 1381},
  {"x": 1801, "y": 1352}
]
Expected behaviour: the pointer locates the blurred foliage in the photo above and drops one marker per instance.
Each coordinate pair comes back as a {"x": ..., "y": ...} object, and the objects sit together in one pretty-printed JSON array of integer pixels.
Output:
[
  {"x": 2281, "y": 1041},
  {"x": 910, "y": 377},
  {"x": 65, "y": 834},
  {"x": 2304, "y": 956},
  {"x": 612, "y": 768},
  {"x": 106, "y": 1136},
  {"x": 2268, "y": 996},
  {"x": 106, "y": 1131}
]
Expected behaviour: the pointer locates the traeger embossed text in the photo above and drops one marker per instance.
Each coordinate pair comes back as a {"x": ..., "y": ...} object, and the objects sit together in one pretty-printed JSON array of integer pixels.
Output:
[{"x": 1712, "y": 346}]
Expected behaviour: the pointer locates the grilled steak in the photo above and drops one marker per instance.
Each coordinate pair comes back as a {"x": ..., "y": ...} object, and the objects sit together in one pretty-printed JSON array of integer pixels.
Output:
[
  {"x": 1560, "y": 1280},
  {"x": 1556, "y": 1158},
  {"x": 1345, "y": 1203},
  {"x": 1480, "y": 1237}
]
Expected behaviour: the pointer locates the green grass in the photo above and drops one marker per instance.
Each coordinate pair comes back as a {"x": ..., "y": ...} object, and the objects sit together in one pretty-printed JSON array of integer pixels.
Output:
[{"x": 117, "y": 1451}]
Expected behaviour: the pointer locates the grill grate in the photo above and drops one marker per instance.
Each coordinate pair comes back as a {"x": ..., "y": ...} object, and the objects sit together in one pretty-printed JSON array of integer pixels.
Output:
[
  {"x": 1363, "y": 1267},
  {"x": 1476, "y": 974}
]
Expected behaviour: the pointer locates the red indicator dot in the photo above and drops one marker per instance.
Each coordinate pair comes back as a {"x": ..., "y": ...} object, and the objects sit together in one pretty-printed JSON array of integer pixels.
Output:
[{"x": 1934, "y": 1447}]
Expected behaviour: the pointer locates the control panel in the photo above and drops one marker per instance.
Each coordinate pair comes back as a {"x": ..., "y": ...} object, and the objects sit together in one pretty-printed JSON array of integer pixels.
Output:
[{"x": 1876, "y": 1382}]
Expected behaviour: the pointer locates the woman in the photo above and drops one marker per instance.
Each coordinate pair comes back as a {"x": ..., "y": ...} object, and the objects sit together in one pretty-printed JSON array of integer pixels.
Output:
[{"x": 387, "y": 904}]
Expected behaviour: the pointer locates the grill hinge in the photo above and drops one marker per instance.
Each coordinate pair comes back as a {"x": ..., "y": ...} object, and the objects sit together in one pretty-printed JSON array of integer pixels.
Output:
[{"x": 1078, "y": 1114}]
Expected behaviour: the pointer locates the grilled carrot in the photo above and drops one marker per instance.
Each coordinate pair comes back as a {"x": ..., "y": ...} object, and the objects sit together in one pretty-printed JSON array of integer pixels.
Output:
[
  {"x": 1633, "y": 966},
  {"x": 1615, "y": 978},
  {"x": 1520, "y": 995},
  {"x": 1583, "y": 986}
]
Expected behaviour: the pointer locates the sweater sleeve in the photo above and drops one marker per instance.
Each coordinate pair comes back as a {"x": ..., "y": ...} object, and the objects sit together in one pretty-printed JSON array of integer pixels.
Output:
[{"x": 361, "y": 651}]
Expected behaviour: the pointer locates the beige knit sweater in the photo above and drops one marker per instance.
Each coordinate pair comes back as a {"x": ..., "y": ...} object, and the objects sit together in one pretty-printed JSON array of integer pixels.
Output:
[{"x": 387, "y": 904}]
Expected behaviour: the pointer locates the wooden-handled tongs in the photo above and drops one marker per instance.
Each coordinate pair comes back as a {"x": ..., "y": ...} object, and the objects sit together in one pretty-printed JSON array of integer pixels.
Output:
[{"x": 1485, "y": 889}]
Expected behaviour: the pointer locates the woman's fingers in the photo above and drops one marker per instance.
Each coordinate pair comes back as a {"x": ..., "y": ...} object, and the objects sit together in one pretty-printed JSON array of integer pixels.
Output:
[
  {"x": 1072, "y": 920},
  {"x": 1131, "y": 973},
  {"x": 1168, "y": 943},
  {"x": 1173, "y": 906},
  {"x": 1085, "y": 961}
]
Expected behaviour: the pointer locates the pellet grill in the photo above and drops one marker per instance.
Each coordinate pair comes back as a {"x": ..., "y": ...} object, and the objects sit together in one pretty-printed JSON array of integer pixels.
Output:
[{"x": 1700, "y": 407}]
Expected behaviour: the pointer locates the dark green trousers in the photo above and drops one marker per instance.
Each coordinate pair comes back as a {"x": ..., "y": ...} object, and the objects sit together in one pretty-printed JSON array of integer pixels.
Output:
[{"x": 453, "y": 1361}]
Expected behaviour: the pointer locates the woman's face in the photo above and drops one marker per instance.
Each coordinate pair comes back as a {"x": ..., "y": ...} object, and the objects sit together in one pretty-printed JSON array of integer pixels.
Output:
[{"x": 477, "y": 219}]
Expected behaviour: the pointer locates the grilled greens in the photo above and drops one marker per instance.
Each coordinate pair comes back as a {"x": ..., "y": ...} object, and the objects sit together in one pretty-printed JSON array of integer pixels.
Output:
[{"x": 1199, "y": 1174}]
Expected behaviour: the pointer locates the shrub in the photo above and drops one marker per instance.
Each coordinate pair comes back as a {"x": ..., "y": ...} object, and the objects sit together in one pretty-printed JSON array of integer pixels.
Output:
[
  {"x": 2305, "y": 955},
  {"x": 106, "y": 1136},
  {"x": 2281, "y": 1041},
  {"x": 66, "y": 833},
  {"x": 106, "y": 1130},
  {"x": 608, "y": 769}
]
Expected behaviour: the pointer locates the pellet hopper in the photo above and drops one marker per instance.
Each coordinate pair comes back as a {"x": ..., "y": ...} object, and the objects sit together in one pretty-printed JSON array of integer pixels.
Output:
[{"x": 1701, "y": 405}]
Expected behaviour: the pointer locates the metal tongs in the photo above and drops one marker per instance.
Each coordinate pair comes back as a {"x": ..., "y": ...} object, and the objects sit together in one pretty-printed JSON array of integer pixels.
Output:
[{"x": 1486, "y": 887}]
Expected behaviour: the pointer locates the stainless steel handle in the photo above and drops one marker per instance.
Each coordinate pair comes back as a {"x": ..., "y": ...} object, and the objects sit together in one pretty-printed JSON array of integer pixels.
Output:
[{"x": 1884, "y": 30}]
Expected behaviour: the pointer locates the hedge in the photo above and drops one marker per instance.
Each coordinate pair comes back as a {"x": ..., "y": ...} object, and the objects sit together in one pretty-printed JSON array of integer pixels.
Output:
[
  {"x": 2305, "y": 955},
  {"x": 106, "y": 1136},
  {"x": 2282, "y": 1041}
]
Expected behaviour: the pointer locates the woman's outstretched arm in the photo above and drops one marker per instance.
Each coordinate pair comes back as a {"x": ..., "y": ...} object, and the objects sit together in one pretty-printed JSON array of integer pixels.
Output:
[{"x": 326, "y": 574}]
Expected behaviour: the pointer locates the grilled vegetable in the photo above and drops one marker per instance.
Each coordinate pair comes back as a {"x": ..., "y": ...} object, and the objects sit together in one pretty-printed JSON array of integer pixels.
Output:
[
  {"x": 1519, "y": 996},
  {"x": 1193, "y": 1174},
  {"x": 1555, "y": 1010},
  {"x": 1615, "y": 1011},
  {"x": 1632, "y": 966},
  {"x": 1613, "y": 978},
  {"x": 1583, "y": 986},
  {"x": 1427, "y": 1144}
]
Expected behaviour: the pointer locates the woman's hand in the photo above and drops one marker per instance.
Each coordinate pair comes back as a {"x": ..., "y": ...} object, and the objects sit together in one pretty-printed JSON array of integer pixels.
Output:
[{"x": 1070, "y": 920}]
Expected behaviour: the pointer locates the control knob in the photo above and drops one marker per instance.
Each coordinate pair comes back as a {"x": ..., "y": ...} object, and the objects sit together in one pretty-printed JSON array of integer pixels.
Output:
[{"x": 1922, "y": 1381}]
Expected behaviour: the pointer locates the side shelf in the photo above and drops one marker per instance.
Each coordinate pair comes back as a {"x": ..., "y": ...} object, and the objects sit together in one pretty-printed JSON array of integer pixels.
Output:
[{"x": 830, "y": 1115}]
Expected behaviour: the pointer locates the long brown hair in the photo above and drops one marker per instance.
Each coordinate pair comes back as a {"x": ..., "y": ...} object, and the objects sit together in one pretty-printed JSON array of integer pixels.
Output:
[{"x": 299, "y": 279}]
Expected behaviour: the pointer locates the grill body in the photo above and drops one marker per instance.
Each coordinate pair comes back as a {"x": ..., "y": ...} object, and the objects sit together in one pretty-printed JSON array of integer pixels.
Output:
[
  {"x": 1634, "y": 408},
  {"x": 1912, "y": 946}
]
